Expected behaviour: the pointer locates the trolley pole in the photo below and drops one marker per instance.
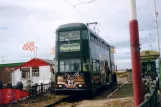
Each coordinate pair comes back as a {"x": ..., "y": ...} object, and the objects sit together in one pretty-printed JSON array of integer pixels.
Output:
[{"x": 135, "y": 55}]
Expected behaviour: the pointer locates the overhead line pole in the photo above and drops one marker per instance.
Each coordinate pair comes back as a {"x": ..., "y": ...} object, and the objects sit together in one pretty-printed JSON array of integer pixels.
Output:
[
  {"x": 156, "y": 26},
  {"x": 135, "y": 55},
  {"x": 157, "y": 40}
]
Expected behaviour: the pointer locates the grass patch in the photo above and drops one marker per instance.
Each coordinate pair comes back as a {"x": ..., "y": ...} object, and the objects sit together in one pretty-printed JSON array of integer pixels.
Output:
[{"x": 122, "y": 74}]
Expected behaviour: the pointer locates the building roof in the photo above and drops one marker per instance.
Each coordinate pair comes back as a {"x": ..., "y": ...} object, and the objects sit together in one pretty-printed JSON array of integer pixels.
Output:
[
  {"x": 36, "y": 62},
  {"x": 50, "y": 62},
  {"x": 11, "y": 64}
]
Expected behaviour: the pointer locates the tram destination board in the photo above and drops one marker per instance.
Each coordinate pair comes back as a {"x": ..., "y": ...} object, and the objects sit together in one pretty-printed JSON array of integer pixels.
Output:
[{"x": 70, "y": 47}]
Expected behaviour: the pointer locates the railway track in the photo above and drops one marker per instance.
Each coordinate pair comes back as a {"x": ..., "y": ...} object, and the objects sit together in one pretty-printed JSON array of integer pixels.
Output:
[
  {"x": 74, "y": 100},
  {"x": 58, "y": 101},
  {"x": 68, "y": 99}
]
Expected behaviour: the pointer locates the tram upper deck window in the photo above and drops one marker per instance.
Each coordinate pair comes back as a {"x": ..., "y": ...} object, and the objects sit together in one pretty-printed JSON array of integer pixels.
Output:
[
  {"x": 69, "y": 35},
  {"x": 91, "y": 37},
  {"x": 95, "y": 41},
  {"x": 99, "y": 42},
  {"x": 103, "y": 45}
]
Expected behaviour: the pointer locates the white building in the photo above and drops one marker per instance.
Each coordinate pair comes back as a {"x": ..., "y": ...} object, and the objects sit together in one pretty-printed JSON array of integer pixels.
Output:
[{"x": 37, "y": 70}]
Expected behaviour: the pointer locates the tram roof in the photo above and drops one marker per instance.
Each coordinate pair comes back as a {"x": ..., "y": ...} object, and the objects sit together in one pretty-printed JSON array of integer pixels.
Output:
[
  {"x": 79, "y": 26},
  {"x": 149, "y": 55}
]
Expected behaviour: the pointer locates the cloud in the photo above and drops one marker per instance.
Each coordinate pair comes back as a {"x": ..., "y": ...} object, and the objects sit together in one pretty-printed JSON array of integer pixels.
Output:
[
  {"x": 13, "y": 11},
  {"x": 122, "y": 64},
  {"x": 37, "y": 20}
]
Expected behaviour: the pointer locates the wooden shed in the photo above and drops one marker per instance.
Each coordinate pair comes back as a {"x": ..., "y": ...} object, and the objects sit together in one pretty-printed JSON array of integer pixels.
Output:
[{"x": 4, "y": 74}]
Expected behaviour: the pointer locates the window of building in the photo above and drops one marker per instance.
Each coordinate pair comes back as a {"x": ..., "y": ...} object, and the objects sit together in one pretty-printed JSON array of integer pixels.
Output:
[
  {"x": 25, "y": 73},
  {"x": 35, "y": 72}
]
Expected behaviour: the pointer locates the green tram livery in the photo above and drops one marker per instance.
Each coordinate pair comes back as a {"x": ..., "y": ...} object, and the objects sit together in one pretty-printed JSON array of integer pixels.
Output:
[{"x": 83, "y": 59}]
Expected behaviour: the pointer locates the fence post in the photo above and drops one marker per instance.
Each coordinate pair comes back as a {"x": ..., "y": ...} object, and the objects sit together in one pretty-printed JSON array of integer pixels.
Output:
[
  {"x": 50, "y": 85},
  {"x": 156, "y": 90},
  {"x": 41, "y": 88},
  {"x": 32, "y": 92}
]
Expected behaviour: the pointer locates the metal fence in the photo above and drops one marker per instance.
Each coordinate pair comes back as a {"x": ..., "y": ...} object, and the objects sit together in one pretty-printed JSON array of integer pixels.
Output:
[
  {"x": 42, "y": 89},
  {"x": 152, "y": 100}
]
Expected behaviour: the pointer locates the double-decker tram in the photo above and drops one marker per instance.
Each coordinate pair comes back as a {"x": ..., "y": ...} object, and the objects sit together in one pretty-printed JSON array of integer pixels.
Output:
[{"x": 83, "y": 59}]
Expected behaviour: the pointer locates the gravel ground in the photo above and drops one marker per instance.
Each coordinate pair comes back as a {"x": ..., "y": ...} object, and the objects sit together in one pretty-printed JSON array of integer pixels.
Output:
[
  {"x": 37, "y": 102},
  {"x": 101, "y": 99},
  {"x": 118, "y": 102},
  {"x": 121, "y": 98}
]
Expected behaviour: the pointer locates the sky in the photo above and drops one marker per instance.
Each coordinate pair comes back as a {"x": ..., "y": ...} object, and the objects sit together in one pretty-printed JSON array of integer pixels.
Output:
[{"x": 22, "y": 21}]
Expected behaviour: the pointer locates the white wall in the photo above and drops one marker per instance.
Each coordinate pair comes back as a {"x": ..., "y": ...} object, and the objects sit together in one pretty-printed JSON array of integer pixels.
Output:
[
  {"x": 44, "y": 76},
  {"x": 16, "y": 76}
]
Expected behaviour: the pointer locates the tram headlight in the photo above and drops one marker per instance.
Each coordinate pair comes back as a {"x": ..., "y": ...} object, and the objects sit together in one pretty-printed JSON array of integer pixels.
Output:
[
  {"x": 60, "y": 86},
  {"x": 80, "y": 85}
]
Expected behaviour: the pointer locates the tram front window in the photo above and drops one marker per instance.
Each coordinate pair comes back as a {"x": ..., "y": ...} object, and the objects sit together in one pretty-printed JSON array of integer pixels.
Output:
[{"x": 70, "y": 65}]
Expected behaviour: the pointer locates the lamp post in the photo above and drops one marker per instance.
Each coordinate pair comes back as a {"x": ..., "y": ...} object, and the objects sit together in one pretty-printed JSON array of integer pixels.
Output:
[
  {"x": 135, "y": 55},
  {"x": 157, "y": 39}
]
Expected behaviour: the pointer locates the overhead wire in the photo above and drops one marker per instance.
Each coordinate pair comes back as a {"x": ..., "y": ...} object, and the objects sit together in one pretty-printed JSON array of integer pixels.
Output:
[
  {"x": 148, "y": 29},
  {"x": 84, "y": 3},
  {"x": 75, "y": 8}
]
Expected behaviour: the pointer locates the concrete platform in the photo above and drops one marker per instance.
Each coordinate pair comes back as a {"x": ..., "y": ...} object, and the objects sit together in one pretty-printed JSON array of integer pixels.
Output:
[{"x": 126, "y": 90}]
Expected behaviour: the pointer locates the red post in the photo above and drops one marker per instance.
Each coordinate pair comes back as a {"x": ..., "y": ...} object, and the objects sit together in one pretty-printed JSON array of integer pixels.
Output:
[
  {"x": 136, "y": 65},
  {"x": 135, "y": 56}
]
